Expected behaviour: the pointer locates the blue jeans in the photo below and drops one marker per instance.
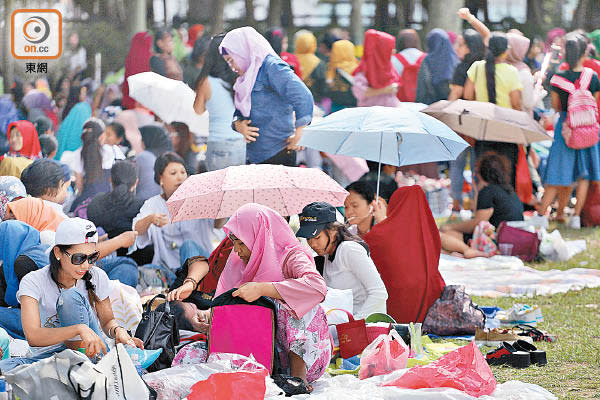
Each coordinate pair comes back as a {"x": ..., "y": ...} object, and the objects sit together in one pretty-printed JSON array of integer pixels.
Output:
[
  {"x": 225, "y": 154},
  {"x": 72, "y": 308},
  {"x": 457, "y": 168},
  {"x": 10, "y": 320},
  {"x": 123, "y": 269}
]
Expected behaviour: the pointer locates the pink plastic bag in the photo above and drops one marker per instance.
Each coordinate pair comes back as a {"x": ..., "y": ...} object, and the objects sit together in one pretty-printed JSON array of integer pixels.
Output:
[
  {"x": 463, "y": 369},
  {"x": 241, "y": 385},
  {"x": 385, "y": 354}
]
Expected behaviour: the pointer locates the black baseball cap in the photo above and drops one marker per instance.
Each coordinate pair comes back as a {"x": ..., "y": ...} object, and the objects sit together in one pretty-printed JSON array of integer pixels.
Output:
[{"x": 314, "y": 218}]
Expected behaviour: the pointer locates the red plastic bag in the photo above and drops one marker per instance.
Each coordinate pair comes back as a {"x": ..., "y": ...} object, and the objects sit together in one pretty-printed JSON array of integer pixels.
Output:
[
  {"x": 385, "y": 354},
  {"x": 590, "y": 215},
  {"x": 241, "y": 385},
  {"x": 463, "y": 369},
  {"x": 523, "y": 183}
]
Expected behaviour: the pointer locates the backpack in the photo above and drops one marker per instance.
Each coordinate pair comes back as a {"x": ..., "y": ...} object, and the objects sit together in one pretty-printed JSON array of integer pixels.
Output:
[
  {"x": 407, "y": 90},
  {"x": 582, "y": 127},
  {"x": 453, "y": 314}
]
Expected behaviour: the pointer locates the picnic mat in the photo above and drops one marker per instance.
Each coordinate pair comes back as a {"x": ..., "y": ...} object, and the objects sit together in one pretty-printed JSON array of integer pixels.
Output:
[
  {"x": 350, "y": 387},
  {"x": 507, "y": 276}
]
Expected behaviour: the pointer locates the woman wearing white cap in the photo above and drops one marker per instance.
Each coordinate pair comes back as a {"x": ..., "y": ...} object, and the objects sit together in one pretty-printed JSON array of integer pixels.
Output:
[{"x": 66, "y": 304}]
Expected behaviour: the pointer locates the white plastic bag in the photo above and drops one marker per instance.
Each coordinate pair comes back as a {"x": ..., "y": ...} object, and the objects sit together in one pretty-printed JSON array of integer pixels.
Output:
[
  {"x": 126, "y": 305},
  {"x": 553, "y": 247},
  {"x": 123, "y": 381}
]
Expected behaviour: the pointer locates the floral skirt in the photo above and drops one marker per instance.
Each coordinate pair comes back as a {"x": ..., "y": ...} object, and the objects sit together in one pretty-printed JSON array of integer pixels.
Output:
[{"x": 308, "y": 337}]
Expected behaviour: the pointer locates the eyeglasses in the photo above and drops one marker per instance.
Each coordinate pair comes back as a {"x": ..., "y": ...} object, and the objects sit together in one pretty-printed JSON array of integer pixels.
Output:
[{"x": 80, "y": 258}]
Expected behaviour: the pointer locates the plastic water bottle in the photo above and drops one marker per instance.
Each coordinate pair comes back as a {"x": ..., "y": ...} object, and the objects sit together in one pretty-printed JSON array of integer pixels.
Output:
[{"x": 3, "y": 392}]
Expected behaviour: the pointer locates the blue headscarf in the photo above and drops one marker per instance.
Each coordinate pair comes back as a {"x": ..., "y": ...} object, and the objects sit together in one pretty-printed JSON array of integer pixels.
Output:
[
  {"x": 16, "y": 239},
  {"x": 441, "y": 57},
  {"x": 8, "y": 113},
  {"x": 69, "y": 133}
]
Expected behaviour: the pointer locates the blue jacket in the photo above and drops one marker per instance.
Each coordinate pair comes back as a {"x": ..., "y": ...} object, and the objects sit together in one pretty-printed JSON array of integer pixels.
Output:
[{"x": 277, "y": 94}]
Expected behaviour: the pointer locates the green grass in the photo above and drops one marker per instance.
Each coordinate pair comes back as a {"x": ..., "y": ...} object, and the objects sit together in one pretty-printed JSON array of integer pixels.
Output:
[{"x": 573, "y": 370}]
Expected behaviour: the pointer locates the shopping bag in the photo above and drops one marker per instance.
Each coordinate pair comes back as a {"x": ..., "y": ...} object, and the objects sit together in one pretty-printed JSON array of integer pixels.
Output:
[
  {"x": 352, "y": 335},
  {"x": 523, "y": 185},
  {"x": 525, "y": 244},
  {"x": 463, "y": 369},
  {"x": 386, "y": 354},
  {"x": 240, "y": 385}
]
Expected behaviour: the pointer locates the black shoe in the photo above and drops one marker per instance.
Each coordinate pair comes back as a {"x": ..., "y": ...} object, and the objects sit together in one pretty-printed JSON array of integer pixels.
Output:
[
  {"x": 537, "y": 356},
  {"x": 507, "y": 354}
]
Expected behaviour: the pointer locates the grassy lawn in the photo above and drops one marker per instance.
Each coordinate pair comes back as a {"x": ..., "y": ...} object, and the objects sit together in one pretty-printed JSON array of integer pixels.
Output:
[{"x": 573, "y": 370}]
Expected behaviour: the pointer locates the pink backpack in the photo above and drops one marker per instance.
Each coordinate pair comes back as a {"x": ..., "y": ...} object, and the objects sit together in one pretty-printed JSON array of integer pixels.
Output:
[{"x": 582, "y": 127}]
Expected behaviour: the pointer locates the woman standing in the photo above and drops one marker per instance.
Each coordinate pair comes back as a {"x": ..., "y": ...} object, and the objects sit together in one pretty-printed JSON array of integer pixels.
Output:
[
  {"x": 342, "y": 64},
  {"x": 214, "y": 92},
  {"x": 272, "y": 104},
  {"x": 407, "y": 62},
  {"x": 375, "y": 78},
  {"x": 567, "y": 166},
  {"x": 433, "y": 82},
  {"x": 164, "y": 62},
  {"x": 137, "y": 61},
  {"x": 493, "y": 80},
  {"x": 313, "y": 69}
]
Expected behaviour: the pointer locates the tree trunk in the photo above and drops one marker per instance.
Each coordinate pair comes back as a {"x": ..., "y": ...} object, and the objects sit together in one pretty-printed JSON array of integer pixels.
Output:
[
  {"x": 287, "y": 19},
  {"x": 581, "y": 14},
  {"x": 165, "y": 13},
  {"x": 356, "y": 28},
  {"x": 439, "y": 15},
  {"x": 250, "y": 12},
  {"x": 382, "y": 15},
  {"x": 7, "y": 65},
  {"x": 218, "y": 9},
  {"x": 404, "y": 12},
  {"x": 137, "y": 17},
  {"x": 535, "y": 17},
  {"x": 274, "y": 16},
  {"x": 197, "y": 11}
]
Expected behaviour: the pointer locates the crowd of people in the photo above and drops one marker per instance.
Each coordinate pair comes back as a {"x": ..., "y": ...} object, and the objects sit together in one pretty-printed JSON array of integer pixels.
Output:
[{"x": 86, "y": 174}]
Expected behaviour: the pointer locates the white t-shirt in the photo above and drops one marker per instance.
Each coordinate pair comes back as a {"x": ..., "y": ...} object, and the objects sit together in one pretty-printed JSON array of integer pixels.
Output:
[
  {"x": 109, "y": 155},
  {"x": 40, "y": 286},
  {"x": 56, "y": 207},
  {"x": 352, "y": 268}
]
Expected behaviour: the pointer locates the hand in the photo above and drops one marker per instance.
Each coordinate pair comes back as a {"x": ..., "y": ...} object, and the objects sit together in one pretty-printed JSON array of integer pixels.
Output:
[
  {"x": 464, "y": 13},
  {"x": 249, "y": 291},
  {"x": 201, "y": 321},
  {"x": 392, "y": 89},
  {"x": 250, "y": 133},
  {"x": 90, "y": 341},
  {"x": 182, "y": 292},
  {"x": 292, "y": 141},
  {"x": 121, "y": 336},
  {"x": 127, "y": 239},
  {"x": 379, "y": 210},
  {"x": 159, "y": 220}
]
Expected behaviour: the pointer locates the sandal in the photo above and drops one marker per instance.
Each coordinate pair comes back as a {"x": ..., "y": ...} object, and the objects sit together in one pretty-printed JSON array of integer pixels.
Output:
[
  {"x": 537, "y": 356},
  {"x": 535, "y": 334}
]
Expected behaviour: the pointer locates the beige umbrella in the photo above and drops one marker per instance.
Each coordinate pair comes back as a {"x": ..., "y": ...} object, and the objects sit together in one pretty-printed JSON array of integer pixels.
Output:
[{"x": 487, "y": 121}]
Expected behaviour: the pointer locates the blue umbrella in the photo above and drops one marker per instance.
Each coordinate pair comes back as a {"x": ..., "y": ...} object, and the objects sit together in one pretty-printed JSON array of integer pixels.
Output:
[{"x": 396, "y": 136}]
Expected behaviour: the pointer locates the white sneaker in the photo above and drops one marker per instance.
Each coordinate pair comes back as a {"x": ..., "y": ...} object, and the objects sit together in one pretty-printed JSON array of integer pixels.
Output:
[{"x": 574, "y": 222}]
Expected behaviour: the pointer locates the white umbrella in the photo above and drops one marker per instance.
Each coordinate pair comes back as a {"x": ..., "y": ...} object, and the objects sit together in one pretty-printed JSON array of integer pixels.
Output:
[{"x": 171, "y": 100}]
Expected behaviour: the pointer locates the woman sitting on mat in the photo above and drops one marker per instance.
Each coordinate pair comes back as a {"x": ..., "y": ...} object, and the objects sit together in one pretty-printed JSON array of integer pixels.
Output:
[
  {"x": 269, "y": 261},
  {"x": 496, "y": 202}
]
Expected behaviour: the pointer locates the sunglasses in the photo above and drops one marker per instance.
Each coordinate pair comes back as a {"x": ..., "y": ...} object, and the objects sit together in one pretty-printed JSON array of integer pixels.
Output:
[{"x": 80, "y": 258}]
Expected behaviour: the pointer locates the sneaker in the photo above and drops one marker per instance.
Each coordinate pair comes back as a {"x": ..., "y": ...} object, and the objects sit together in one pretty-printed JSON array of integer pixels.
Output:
[
  {"x": 495, "y": 337},
  {"x": 574, "y": 222},
  {"x": 521, "y": 314},
  {"x": 506, "y": 354}
]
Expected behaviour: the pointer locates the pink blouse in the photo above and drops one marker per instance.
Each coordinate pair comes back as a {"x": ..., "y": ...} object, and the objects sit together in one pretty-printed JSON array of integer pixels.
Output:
[{"x": 359, "y": 89}]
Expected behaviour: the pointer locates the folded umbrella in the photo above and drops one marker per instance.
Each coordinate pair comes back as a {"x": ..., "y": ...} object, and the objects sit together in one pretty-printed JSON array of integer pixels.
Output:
[
  {"x": 218, "y": 194},
  {"x": 171, "y": 100},
  {"x": 488, "y": 121}
]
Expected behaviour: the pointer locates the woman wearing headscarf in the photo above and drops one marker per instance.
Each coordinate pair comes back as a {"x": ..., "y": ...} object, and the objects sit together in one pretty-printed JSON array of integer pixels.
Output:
[
  {"x": 518, "y": 47},
  {"x": 269, "y": 261},
  {"x": 342, "y": 64},
  {"x": 156, "y": 142},
  {"x": 69, "y": 133},
  {"x": 272, "y": 104},
  {"x": 433, "y": 82},
  {"x": 21, "y": 252},
  {"x": 279, "y": 42},
  {"x": 407, "y": 259},
  {"x": 34, "y": 212},
  {"x": 375, "y": 78},
  {"x": 23, "y": 140},
  {"x": 11, "y": 188},
  {"x": 407, "y": 61},
  {"x": 311, "y": 66},
  {"x": 194, "y": 33},
  {"x": 128, "y": 119},
  {"x": 138, "y": 60}
]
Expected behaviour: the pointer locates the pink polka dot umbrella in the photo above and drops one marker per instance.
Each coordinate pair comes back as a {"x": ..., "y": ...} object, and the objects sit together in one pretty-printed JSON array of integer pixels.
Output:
[{"x": 218, "y": 194}]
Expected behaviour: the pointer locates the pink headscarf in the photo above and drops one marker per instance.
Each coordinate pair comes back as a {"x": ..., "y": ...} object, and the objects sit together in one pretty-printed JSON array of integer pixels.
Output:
[
  {"x": 519, "y": 45},
  {"x": 268, "y": 237},
  {"x": 248, "y": 49}
]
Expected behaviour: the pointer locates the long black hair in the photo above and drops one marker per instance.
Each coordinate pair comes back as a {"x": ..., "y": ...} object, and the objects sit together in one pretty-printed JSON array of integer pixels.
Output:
[
  {"x": 575, "y": 46},
  {"x": 43, "y": 177},
  {"x": 343, "y": 234},
  {"x": 119, "y": 130},
  {"x": 123, "y": 176},
  {"x": 91, "y": 151},
  {"x": 215, "y": 65},
  {"x": 497, "y": 46},
  {"x": 74, "y": 93},
  {"x": 474, "y": 42},
  {"x": 495, "y": 168},
  {"x": 87, "y": 278}
]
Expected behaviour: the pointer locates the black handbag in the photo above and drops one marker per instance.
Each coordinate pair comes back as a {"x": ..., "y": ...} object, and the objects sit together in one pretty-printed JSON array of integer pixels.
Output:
[{"x": 158, "y": 330}]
